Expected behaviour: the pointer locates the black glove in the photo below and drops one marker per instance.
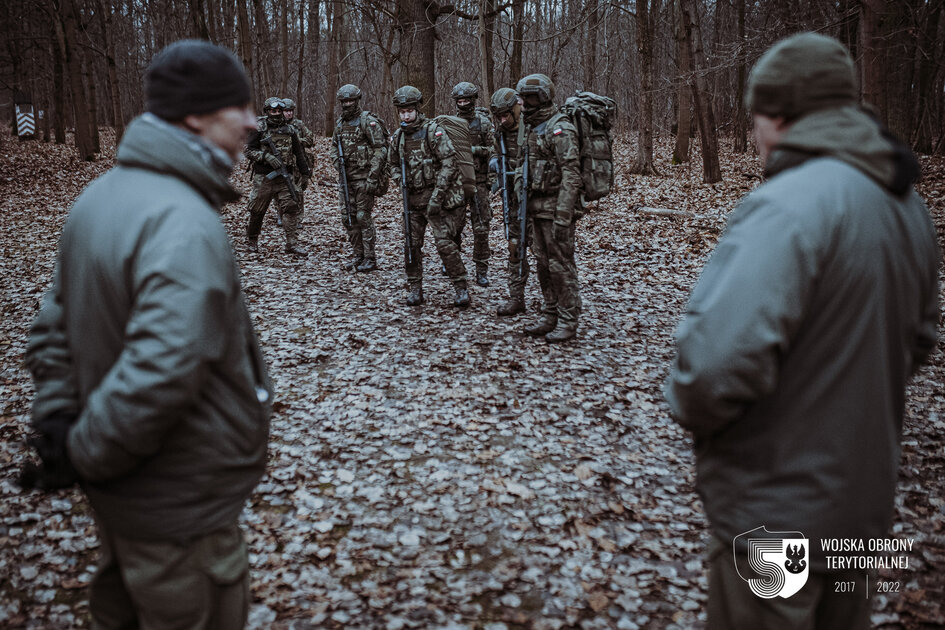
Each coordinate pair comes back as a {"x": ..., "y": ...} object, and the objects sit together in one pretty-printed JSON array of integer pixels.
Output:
[{"x": 55, "y": 470}]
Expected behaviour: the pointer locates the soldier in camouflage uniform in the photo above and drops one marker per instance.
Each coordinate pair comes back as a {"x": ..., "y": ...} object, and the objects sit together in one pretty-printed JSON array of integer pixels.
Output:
[
  {"x": 554, "y": 206},
  {"x": 307, "y": 138},
  {"x": 480, "y": 210},
  {"x": 507, "y": 109},
  {"x": 289, "y": 153},
  {"x": 363, "y": 139},
  {"x": 434, "y": 193}
]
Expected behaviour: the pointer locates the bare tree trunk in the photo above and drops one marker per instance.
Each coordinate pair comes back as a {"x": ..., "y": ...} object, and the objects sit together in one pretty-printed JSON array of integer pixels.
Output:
[
  {"x": 590, "y": 51},
  {"x": 643, "y": 165},
  {"x": 871, "y": 65},
  {"x": 315, "y": 33},
  {"x": 928, "y": 53},
  {"x": 263, "y": 48},
  {"x": 59, "y": 105},
  {"x": 199, "y": 20},
  {"x": 106, "y": 14},
  {"x": 298, "y": 85},
  {"x": 417, "y": 22},
  {"x": 684, "y": 105},
  {"x": 711, "y": 170},
  {"x": 89, "y": 84},
  {"x": 335, "y": 53},
  {"x": 741, "y": 117},
  {"x": 486, "y": 29},
  {"x": 284, "y": 49},
  {"x": 518, "y": 31},
  {"x": 67, "y": 31},
  {"x": 246, "y": 43}
]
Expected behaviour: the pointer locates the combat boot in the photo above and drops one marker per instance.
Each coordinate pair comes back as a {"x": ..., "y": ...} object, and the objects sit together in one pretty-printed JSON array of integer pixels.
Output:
[
  {"x": 253, "y": 245},
  {"x": 354, "y": 263},
  {"x": 367, "y": 265},
  {"x": 513, "y": 306},
  {"x": 462, "y": 297},
  {"x": 482, "y": 277},
  {"x": 543, "y": 326},
  {"x": 415, "y": 297},
  {"x": 295, "y": 250},
  {"x": 562, "y": 332}
]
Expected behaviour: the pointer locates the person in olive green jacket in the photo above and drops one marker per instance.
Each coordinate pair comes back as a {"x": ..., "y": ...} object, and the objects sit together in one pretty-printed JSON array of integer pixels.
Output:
[
  {"x": 817, "y": 305},
  {"x": 150, "y": 386}
]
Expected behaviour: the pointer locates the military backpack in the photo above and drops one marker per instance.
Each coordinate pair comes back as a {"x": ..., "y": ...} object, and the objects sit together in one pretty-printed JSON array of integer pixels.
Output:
[
  {"x": 457, "y": 129},
  {"x": 592, "y": 116}
]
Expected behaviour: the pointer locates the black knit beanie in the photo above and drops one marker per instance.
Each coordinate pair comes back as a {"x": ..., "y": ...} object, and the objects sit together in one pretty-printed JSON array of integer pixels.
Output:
[
  {"x": 194, "y": 77},
  {"x": 802, "y": 74}
]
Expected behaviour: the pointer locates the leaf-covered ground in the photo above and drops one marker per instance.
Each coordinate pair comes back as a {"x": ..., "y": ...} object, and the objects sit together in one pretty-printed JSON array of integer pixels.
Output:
[{"x": 436, "y": 468}]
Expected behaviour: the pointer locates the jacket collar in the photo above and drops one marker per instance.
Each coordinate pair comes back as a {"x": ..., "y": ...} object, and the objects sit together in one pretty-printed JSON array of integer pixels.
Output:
[{"x": 154, "y": 144}]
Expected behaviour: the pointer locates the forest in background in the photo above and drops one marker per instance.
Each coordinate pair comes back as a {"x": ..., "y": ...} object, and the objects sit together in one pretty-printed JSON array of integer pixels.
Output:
[{"x": 674, "y": 66}]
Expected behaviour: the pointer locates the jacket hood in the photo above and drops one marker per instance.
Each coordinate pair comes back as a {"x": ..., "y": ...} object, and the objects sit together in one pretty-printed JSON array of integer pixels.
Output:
[
  {"x": 850, "y": 135},
  {"x": 154, "y": 144}
]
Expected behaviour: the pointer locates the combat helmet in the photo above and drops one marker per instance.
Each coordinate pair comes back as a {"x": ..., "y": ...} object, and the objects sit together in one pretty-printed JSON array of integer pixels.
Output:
[
  {"x": 272, "y": 102},
  {"x": 408, "y": 96},
  {"x": 503, "y": 100},
  {"x": 288, "y": 103},
  {"x": 348, "y": 92},
  {"x": 538, "y": 84},
  {"x": 465, "y": 89}
]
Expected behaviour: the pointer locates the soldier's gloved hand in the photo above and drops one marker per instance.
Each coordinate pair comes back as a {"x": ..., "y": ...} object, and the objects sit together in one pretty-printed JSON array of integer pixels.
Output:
[
  {"x": 303, "y": 183},
  {"x": 559, "y": 231},
  {"x": 434, "y": 208},
  {"x": 273, "y": 160},
  {"x": 55, "y": 470},
  {"x": 494, "y": 165}
]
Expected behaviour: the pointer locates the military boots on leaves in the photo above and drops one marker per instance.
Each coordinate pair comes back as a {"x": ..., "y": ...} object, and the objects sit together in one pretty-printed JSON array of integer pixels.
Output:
[
  {"x": 512, "y": 306},
  {"x": 415, "y": 297},
  {"x": 543, "y": 326}
]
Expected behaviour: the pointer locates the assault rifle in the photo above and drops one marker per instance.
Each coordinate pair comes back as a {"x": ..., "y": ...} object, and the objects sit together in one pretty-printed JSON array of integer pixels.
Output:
[
  {"x": 522, "y": 204},
  {"x": 504, "y": 175},
  {"x": 343, "y": 179},
  {"x": 408, "y": 246},
  {"x": 282, "y": 171}
]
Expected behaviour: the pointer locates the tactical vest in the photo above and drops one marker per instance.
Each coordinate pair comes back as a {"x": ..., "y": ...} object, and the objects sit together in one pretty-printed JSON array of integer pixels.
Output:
[
  {"x": 282, "y": 139},
  {"x": 544, "y": 173},
  {"x": 422, "y": 163},
  {"x": 357, "y": 148}
]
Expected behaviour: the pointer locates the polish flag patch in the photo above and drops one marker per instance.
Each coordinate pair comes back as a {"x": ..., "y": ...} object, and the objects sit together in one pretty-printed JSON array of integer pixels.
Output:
[
  {"x": 556, "y": 132},
  {"x": 438, "y": 134}
]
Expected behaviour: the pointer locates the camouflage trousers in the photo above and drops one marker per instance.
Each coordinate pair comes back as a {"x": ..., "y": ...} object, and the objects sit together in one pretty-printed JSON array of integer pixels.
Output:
[
  {"x": 360, "y": 228},
  {"x": 264, "y": 191},
  {"x": 557, "y": 272},
  {"x": 518, "y": 268},
  {"x": 445, "y": 226},
  {"x": 479, "y": 210},
  {"x": 202, "y": 583}
]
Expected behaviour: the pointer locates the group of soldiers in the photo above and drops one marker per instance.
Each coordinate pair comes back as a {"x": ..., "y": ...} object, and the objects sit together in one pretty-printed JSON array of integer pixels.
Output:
[{"x": 422, "y": 159}]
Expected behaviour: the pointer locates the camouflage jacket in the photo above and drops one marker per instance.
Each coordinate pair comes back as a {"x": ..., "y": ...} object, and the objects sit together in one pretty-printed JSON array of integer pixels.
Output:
[
  {"x": 481, "y": 132},
  {"x": 287, "y": 142},
  {"x": 364, "y": 142},
  {"x": 430, "y": 159},
  {"x": 554, "y": 170}
]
